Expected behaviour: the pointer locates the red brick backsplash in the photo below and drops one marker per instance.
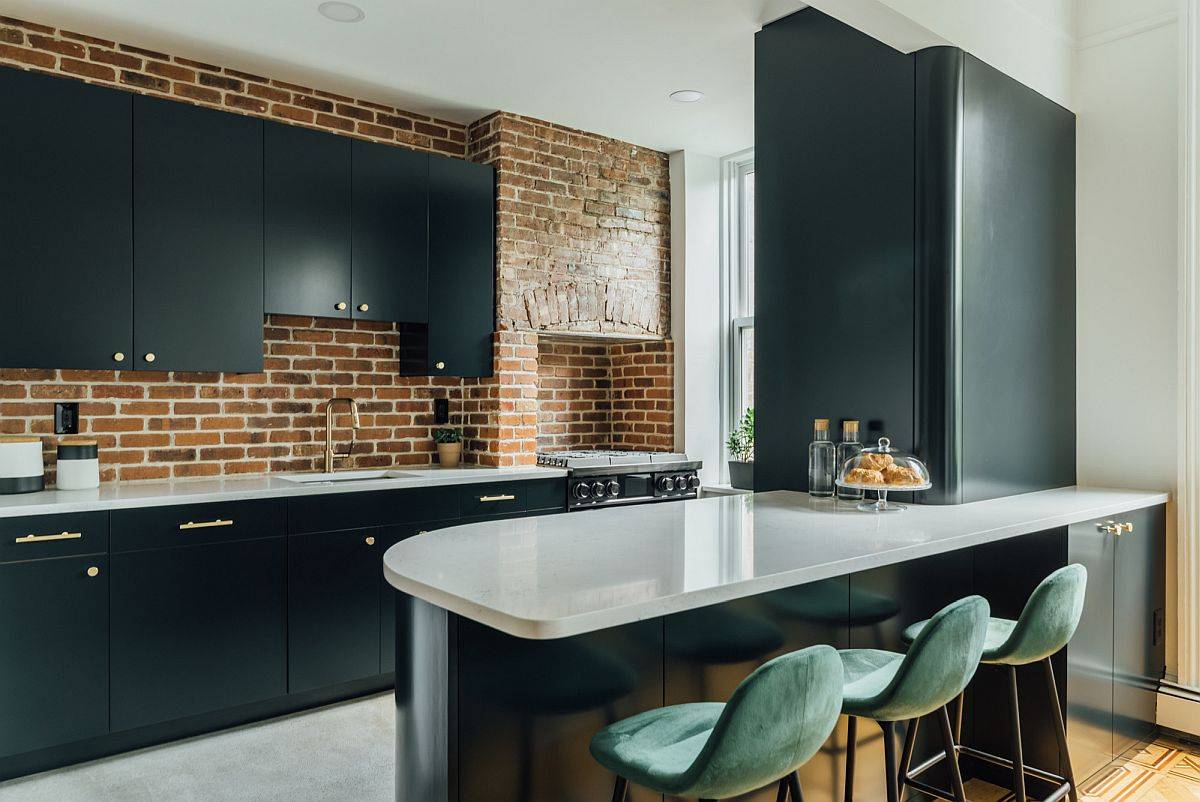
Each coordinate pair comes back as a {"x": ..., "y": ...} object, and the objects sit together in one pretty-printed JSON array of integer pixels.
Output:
[
  {"x": 582, "y": 230},
  {"x": 101, "y": 61}
]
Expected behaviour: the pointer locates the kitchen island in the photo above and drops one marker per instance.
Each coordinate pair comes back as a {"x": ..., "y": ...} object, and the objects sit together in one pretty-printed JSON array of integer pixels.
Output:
[{"x": 516, "y": 640}]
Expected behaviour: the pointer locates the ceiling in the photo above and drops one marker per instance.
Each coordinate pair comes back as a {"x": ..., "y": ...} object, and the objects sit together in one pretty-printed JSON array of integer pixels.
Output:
[{"x": 600, "y": 65}]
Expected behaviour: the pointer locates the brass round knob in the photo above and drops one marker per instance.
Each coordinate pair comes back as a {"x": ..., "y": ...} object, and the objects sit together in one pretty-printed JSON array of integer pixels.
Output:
[
  {"x": 150, "y": 357},
  {"x": 440, "y": 366},
  {"x": 370, "y": 541},
  {"x": 363, "y": 307},
  {"x": 340, "y": 305},
  {"x": 93, "y": 571},
  {"x": 119, "y": 356}
]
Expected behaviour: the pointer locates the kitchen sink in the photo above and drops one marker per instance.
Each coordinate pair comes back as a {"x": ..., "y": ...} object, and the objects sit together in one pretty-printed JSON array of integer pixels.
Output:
[{"x": 346, "y": 476}]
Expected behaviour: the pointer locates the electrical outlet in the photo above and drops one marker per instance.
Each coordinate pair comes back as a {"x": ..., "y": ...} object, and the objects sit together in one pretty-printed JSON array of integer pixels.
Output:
[
  {"x": 1160, "y": 628},
  {"x": 66, "y": 417},
  {"x": 441, "y": 410}
]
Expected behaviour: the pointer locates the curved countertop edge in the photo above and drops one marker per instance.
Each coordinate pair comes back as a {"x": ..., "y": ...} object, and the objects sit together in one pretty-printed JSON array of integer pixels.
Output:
[
  {"x": 164, "y": 493},
  {"x": 578, "y": 624}
]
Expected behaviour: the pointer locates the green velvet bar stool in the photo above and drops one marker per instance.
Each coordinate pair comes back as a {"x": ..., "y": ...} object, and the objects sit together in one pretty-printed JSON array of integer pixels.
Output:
[
  {"x": 889, "y": 687},
  {"x": 1045, "y": 626},
  {"x": 773, "y": 723}
]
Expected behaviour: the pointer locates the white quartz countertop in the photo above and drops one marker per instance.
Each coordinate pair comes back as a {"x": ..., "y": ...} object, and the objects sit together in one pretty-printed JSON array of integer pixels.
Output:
[
  {"x": 570, "y": 573},
  {"x": 122, "y": 495}
]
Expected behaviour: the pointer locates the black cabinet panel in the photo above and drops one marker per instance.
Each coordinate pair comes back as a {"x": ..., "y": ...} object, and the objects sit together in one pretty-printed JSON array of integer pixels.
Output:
[
  {"x": 53, "y": 652},
  {"x": 307, "y": 188},
  {"x": 389, "y": 231},
  {"x": 198, "y": 238},
  {"x": 38, "y": 536},
  {"x": 333, "y": 608},
  {"x": 1139, "y": 593},
  {"x": 66, "y": 223},
  {"x": 196, "y": 629},
  {"x": 1090, "y": 653},
  {"x": 196, "y": 524},
  {"x": 380, "y": 508},
  {"x": 389, "y": 537},
  {"x": 462, "y": 269}
]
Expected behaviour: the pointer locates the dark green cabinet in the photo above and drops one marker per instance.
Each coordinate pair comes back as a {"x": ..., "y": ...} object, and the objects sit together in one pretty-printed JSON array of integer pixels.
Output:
[
  {"x": 307, "y": 222},
  {"x": 198, "y": 238},
  {"x": 66, "y": 224},
  {"x": 1115, "y": 660},
  {"x": 333, "y": 607},
  {"x": 53, "y": 652},
  {"x": 389, "y": 216},
  {"x": 196, "y": 629}
]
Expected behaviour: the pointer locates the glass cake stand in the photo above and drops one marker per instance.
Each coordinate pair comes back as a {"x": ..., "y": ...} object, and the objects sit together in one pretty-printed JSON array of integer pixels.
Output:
[{"x": 883, "y": 469}]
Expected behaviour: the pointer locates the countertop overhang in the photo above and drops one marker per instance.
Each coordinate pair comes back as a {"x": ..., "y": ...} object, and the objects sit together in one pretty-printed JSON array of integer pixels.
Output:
[
  {"x": 567, "y": 574},
  {"x": 126, "y": 495}
]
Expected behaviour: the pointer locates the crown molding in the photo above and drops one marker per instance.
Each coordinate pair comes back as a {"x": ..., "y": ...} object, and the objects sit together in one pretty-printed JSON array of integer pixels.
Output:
[{"x": 1126, "y": 31}]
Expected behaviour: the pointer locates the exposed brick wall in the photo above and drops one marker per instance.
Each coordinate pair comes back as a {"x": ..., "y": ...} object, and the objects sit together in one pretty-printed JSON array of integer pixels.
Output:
[
  {"x": 101, "y": 61},
  {"x": 500, "y": 413},
  {"x": 583, "y": 228},
  {"x": 159, "y": 425},
  {"x": 601, "y": 395}
]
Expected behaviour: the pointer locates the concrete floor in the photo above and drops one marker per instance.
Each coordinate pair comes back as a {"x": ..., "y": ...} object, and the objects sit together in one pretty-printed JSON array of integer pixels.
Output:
[{"x": 341, "y": 752}]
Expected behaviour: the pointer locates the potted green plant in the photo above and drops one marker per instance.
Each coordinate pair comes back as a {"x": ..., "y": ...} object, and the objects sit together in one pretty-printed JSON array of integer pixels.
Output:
[
  {"x": 741, "y": 452},
  {"x": 449, "y": 446}
]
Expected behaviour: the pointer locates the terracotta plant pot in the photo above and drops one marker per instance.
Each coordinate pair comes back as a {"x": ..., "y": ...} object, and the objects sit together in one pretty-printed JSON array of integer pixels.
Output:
[
  {"x": 741, "y": 474},
  {"x": 449, "y": 454}
]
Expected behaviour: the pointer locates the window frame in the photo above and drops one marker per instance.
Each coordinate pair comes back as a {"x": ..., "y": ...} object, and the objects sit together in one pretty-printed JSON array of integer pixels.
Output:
[{"x": 735, "y": 290}]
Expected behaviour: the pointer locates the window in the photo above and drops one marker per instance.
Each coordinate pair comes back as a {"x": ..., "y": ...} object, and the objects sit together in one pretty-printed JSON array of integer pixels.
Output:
[{"x": 737, "y": 199}]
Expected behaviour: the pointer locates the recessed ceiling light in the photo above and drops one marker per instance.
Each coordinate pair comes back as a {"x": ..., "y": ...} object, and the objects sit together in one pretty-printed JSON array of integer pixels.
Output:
[
  {"x": 341, "y": 12},
  {"x": 686, "y": 96}
]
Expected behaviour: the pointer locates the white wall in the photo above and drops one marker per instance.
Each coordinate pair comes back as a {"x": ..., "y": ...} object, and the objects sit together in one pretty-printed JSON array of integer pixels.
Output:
[
  {"x": 1126, "y": 97},
  {"x": 696, "y": 308},
  {"x": 1031, "y": 40}
]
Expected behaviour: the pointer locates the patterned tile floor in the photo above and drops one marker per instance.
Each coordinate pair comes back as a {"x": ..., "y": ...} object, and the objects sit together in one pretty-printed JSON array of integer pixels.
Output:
[{"x": 1167, "y": 770}]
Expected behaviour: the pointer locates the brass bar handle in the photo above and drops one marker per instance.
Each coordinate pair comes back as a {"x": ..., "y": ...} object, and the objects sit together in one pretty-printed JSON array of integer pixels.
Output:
[
  {"x": 206, "y": 524},
  {"x": 1114, "y": 528},
  {"x": 1127, "y": 526},
  {"x": 505, "y": 497},
  {"x": 45, "y": 538}
]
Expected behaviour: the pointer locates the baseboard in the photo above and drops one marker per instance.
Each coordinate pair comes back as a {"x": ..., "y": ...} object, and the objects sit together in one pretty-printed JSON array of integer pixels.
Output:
[{"x": 1179, "y": 709}]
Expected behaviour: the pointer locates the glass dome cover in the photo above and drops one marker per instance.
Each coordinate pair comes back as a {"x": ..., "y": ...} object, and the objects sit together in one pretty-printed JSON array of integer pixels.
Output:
[{"x": 883, "y": 468}]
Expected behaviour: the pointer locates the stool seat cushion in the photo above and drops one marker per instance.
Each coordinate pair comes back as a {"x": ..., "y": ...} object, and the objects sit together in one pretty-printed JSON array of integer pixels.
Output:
[
  {"x": 776, "y": 719},
  {"x": 1046, "y": 624},
  {"x": 868, "y": 674}
]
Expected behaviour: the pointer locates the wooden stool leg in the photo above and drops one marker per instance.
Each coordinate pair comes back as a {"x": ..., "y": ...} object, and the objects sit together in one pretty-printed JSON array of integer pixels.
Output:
[
  {"x": 956, "y": 781},
  {"x": 794, "y": 787},
  {"x": 620, "y": 790},
  {"x": 782, "y": 794},
  {"x": 958, "y": 717},
  {"x": 1060, "y": 729},
  {"x": 1018, "y": 757},
  {"x": 889, "y": 760},
  {"x": 851, "y": 744},
  {"x": 906, "y": 754}
]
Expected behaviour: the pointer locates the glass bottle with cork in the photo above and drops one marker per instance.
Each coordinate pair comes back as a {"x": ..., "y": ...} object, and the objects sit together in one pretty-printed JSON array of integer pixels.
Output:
[
  {"x": 848, "y": 449},
  {"x": 821, "y": 461}
]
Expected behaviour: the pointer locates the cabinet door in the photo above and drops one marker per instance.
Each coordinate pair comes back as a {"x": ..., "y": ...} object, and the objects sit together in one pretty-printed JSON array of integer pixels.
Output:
[
  {"x": 198, "y": 238},
  {"x": 333, "y": 608},
  {"x": 66, "y": 224},
  {"x": 389, "y": 224},
  {"x": 307, "y": 188},
  {"x": 53, "y": 652},
  {"x": 387, "y": 594},
  {"x": 196, "y": 629},
  {"x": 1138, "y": 660},
  {"x": 461, "y": 267},
  {"x": 1090, "y": 653}
]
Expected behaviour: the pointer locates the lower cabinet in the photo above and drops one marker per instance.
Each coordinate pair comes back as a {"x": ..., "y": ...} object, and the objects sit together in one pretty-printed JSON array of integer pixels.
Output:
[
  {"x": 53, "y": 652},
  {"x": 333, "y": 607},
  {"x": 196, "y": 629}
]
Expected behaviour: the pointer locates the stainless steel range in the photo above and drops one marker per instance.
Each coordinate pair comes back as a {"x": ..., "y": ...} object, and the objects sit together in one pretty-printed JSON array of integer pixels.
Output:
[{"x": 608, "y": 478}]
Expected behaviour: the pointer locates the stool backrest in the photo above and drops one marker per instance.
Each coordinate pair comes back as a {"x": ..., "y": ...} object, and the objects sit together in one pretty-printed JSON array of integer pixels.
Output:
[
  {"x": 1050, "y": 616},
  {"x": 776, "y": 719},
  {"x": 940, "y": 662}
]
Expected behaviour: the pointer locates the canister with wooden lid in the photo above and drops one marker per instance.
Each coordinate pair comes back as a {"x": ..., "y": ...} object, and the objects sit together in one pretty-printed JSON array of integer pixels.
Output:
[
  {"x": 78, "y": 465},
  {"x": 21, "y": 469}
]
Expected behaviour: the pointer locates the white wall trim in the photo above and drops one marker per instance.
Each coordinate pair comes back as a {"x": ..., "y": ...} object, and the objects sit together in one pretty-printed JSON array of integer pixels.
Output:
[
  {"x": 1187, "y": 500},
  {"x": 1126, "y": 31},
  {"x": 1178, "y": 709}
]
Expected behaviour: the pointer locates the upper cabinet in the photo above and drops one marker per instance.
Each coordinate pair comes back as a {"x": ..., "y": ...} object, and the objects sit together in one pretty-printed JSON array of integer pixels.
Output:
[
  {"x": 389, "y": 222},
  {"x": 198, "y": 238},
  {"x": 461, "y": 267},
  {"x": 307, "y": 187},
  {"x": 66, "y": 224}
]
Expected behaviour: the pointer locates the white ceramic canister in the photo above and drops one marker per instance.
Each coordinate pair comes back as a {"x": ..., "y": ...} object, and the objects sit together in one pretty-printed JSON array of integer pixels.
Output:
[
  {"x": 78, "y": 465},
  {"x": 21, "y": 469}
]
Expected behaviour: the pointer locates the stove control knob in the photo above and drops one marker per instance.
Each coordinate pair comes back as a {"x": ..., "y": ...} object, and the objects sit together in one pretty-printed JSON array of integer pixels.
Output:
[
  {"x": 666, "y": 483},
  {"x": 582, "y": 490},
  {"x": 598, "y": 490},
  {"x": 693, "y": 482},
  {"x": 614, "y": 488},
  {"x": 681, "y": 483}
]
